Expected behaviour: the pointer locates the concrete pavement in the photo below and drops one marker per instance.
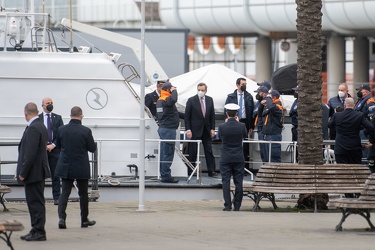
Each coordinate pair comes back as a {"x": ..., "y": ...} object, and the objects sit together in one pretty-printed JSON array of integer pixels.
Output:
[{"x": 192, "y": 225}]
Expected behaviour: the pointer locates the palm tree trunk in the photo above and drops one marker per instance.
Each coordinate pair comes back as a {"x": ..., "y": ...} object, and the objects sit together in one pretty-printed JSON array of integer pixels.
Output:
[{"x": 309, "y": 78}]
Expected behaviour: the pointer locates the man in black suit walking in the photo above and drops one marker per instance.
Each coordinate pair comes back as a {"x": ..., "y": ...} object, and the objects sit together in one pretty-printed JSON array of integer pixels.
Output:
[
  {"x": 200, "y": 125},
  {"x": 74, "y": 140},
  {"x": 348, "y": 123},
  {"x": 32, "y": 170},
  {"x": 52, "y": 122},
  {"x": 232, "y": 159}
]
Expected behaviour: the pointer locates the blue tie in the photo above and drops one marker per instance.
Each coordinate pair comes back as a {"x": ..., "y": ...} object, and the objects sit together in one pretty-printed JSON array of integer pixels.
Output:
[
  {"x": 49, "y": 128},
  {"x": 240, "y": 110}
]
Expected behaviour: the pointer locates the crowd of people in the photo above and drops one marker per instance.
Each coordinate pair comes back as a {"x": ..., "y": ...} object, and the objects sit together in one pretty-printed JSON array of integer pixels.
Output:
[{"x": 343, "y": 120}]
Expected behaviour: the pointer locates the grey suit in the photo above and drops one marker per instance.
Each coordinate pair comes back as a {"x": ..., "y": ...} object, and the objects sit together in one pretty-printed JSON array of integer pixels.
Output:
[
  {"x": 232, "y": 160},
  {"x": 33, "y": 166}
]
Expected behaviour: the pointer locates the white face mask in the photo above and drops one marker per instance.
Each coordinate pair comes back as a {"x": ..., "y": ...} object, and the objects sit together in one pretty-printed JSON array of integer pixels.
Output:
[
  {"x": 341, "y": 94},
  {"x": 200, "y": 94}
]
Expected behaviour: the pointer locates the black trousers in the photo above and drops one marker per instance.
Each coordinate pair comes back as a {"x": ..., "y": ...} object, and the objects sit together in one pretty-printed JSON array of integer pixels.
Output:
[
  {"x": 207, "y": 146},
  {"x": 246, "y": 146},
  {"x": 34, "y": 193},
  {"x": 351, "y": 157},
  {"x": 52, "y": 161},
  {"x": 67, "y": 185},
  {"x": 235, "y": 169}
]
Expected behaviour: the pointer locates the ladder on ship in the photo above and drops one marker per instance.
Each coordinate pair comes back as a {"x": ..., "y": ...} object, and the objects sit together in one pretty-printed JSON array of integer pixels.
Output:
[{"x": 43, "y": 38}]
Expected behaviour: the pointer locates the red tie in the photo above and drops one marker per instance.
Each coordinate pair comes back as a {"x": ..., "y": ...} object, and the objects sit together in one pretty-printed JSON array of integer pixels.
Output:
[{"x": 202, "y": 107}]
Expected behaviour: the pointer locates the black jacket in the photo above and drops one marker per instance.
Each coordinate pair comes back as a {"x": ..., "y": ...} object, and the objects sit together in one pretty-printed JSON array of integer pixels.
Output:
[
  {"x": 74, "y": 140},
  {"x": 150, "y": 102},
  {"x": 272, "y": 117},
  {"x": 167, "y": 113},
  {"x": 194, "y": 119},
  {"x": 249, "y": 106},
  {"x": 32, "y": 154},
  {"x": 348, "y": 123},
  {"x": 57, "y": 122},
  {"x": 232, "y": 134}
]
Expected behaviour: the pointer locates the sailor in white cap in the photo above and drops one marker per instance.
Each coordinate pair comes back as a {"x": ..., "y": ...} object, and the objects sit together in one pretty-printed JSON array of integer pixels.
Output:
[{"x": 232, "y": 160}]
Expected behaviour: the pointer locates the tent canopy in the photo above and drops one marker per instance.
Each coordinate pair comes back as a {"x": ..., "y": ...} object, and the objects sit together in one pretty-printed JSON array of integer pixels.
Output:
[{"x": 285, "y": 78}]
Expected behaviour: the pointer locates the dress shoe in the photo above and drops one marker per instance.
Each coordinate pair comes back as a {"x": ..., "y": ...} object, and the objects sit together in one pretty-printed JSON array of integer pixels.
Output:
[
  {"x": 62, "y": 224},
  {"x": 236, "y": 209},
  {"x": 56, "y": 202},
  {"x": 88, "y": 223},
  {"x": 36, "y": 237},
  {"x": 227, "y": 209},
  {"x": 171, "y": 180},
  {"x": 213, "y": 174},
  {"x": 23, "y": 237}
]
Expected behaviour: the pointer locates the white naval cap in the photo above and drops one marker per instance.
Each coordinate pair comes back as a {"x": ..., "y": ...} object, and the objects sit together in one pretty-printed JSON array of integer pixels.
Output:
[{"x": 232, "y": 106}]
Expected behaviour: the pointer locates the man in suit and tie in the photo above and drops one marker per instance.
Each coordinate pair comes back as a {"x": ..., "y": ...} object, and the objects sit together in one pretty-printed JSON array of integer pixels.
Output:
[
  {"x": 348, "y": 123},
  {"x": 32, "y": 170},
  {"x": 245, "y": 113},
  {"x": 75, "y": 141},
  {"x": 232, "y": 159},
  {"x": 52, "y": 122},
  {"x": 200, "y": 125}
]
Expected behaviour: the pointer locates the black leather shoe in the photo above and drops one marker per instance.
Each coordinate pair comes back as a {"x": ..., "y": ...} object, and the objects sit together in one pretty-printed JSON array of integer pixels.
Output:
[
  {"x": 227, "y": 209},
  {"x": 56, "y": 202},
  {"x": 36, "y": 237},
  {"x": 23, "y": 237},
  {"x": 236, "y": 209},
  {"x": 88, "y": 223},
  {"x": 62, "y": 224},
  {"x": 214, "y": 174},
  {"x": 171, "y": 180}
]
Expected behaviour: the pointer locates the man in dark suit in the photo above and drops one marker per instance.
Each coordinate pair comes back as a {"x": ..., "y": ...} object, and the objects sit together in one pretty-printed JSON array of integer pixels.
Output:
[
  {"x": 52, "y": 122},
  {"x": 152, "y": 98},
  {"x": 232, "y": 160},
  {"x": 32, "y": 170},
  {"x": 348, "y": 123},
  {"x": 245, "y": 113},
  {"x": 200, "y": 125},
  {"x": 74, "y": 140}
]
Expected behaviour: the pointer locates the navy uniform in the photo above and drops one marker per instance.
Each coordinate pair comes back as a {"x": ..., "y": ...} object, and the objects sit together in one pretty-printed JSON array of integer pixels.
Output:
[{"x": 232, "y": 160}]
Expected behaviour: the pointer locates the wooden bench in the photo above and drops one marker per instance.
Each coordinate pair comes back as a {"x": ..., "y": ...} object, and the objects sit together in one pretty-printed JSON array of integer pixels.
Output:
[
  {"x": 361, "y": 206},
  {"x": 7, "y": 228},
  {"x": 4, "y": 190},
  {"x": 287, "y": 178},
  {"x": 254, "y": 196}
]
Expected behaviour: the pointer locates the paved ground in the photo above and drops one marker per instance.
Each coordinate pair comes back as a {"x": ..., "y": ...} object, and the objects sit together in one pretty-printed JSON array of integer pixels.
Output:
[{"x": 193, "y": 225}]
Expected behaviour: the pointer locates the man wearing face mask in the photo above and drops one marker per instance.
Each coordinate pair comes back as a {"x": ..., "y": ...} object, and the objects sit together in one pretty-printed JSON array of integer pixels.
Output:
[
  {"x": 200, "y": 125},
  {"x": 245, "y": 114},
  {"x": 336, "y": 104},
  {"x": 262, "y": 92},
  {"x": 52, "y": 122}
]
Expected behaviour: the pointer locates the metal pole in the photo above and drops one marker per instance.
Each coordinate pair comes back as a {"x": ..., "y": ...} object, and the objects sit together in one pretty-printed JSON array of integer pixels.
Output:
[
  {"x": 71, "y": 27},
  {"x": 141, "y": 165}
]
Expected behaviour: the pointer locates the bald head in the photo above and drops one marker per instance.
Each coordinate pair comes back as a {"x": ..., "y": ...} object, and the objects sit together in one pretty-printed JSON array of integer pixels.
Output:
[
  {"x": 349, "y": 103},
  {"x": 31, "y": 110}
]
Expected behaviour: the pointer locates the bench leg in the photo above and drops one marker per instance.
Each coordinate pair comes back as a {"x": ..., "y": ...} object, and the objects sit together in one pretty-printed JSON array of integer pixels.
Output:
[
  {"x": 6, "y": 238},
  {"x": 2, "y": 201},
  {"x": 365, "y": 213},
  {"x": 259, "y": 196}
]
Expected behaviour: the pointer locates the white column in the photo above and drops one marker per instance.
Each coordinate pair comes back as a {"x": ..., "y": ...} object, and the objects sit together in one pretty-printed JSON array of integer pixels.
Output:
[
  {"x": 335, "y": 64},
  {"x": 361, "y": 62},
  {"x": 263, "y": 59}
]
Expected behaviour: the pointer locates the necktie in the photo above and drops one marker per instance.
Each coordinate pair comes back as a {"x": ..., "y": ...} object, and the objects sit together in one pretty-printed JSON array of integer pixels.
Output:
[
  {"x": 240, "y": 110},
  {"x": 202, "y": 107},
  {"x": 49, "y": 128}
]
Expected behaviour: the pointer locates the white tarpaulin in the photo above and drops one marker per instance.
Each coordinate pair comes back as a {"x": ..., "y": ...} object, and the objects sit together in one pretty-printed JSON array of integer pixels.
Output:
[{"x": 220, "y": 81}]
